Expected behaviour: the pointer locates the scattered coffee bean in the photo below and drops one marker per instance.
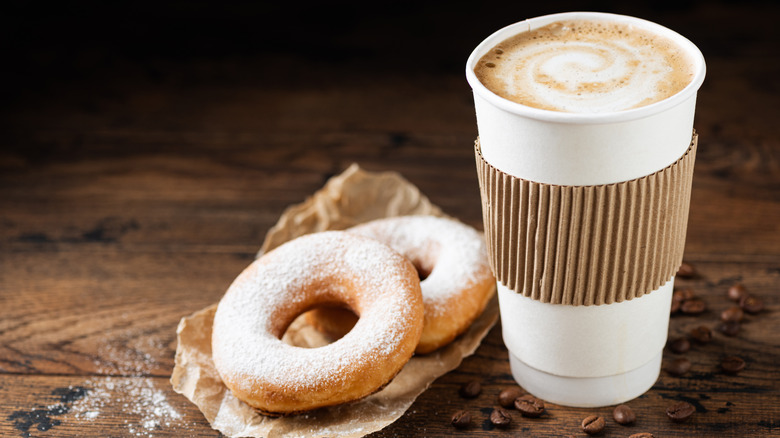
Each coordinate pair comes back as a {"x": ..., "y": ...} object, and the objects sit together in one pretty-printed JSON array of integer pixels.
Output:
[
  {"x": 732, "y": 364},
  {"x": 679, "y": 345},
  {"x": 500, "y": 418},
  {"x": 507, "y": 396},
  {"x": 680, "y": 412},
  {"x": 751, "y": 304},
  {"x": 529, "y": 406},
  {"x": 693, "y": 306},
  {"x": 736, "y": 292},
  {"x": 681, "y": 295},
  {"x": 678, "y": 367},
  {"x": 733, "y": 313},
  {"x": 675, "y": 306},
  {"x": 729, "y": 328},
  {"x": 701, "y": 334},
  {"x": 642, "y": 435},
  {"x": 461, "y": 419},
  {"x": 623, "y": 414},
  {"x": 686, "y": 270},
  {"x": 470, "y": 389},
  {"x": 593, "y": 425}
]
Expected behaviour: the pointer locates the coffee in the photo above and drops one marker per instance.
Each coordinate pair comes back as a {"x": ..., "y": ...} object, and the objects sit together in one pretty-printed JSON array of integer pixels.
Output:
[
  {"x": 560, "y": 269},
  {"x": 461, "y": 419},
  {"x": 693, "y": 306},
  {"x": 752, "y": 304},
  {"x": 529, "y": 406},
  {"x": 686, "y": 270},
  {"x": 737, "y": 292},
  {"x": 470, "y": 389},
  {"x": 679, "y": 345},
  {"x": 729, "y": 328},
  {"x": 701, "y": 334},
  {"x": 733, "y": 313},
  {"x": 623, "y": 415},
  {"x": 507, "y": 396},
  {"x": 678, "y": 367},
  {"x": 732, "y": 364},
  {"x": 593, "y": 425},
  {"x": 680, "y": 412},
  {"x": 500, "y": 418},
  {"x": 585, "y": 66}
]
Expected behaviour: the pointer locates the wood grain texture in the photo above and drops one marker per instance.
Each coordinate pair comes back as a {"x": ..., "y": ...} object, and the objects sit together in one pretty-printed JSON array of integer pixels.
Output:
[
  {"x": 145, "y": 152},
  {"x": 69, "y": 406},
  {"x": 109, "y": 357}
]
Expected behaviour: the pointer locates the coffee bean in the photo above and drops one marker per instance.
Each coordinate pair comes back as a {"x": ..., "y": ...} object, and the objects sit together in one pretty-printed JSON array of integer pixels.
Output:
[
  {"x": 701, "y": 334},
  {"x": 678, "y": 367},
  {"x": 529, "y": 406},
  {"x": 593, "y": 425},
  {"x": 623, "y": 414},
  {"x": 733, "y": 313},
  {"x": 686, "y": 270},
  {"x": 675, "y": 306},
  {"x": 729, "y": 328},
  {"x": 681, "y": 295},
  {"x": 680, "y": 412},
  {"x": 642, "y": 435},
  {"x": 470, "y": 389},
  {"x": 732, "y": 364},
  {"x": 751, "y": 304},
  {"x": 461, "y": 419},
  {"x": 499, "y": 417},
  {"x": 693, "y": 306},
  {"x": 507, "y": 396},
  {"x": 679, "y": 345},
  {"x": 736, "y": 292}
]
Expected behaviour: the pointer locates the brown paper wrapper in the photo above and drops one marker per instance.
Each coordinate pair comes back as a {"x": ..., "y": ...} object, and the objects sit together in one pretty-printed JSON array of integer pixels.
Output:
[
  {"x": 586, "y": 245},
  {"x": 353, "y": 197}
]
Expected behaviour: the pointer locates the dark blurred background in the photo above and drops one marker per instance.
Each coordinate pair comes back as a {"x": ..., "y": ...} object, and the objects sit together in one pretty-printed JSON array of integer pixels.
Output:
[{"x": 74, "y": 61}]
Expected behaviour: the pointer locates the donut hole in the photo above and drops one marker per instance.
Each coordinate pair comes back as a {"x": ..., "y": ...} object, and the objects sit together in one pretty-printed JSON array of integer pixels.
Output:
[
  {"x": 422, "y": 271},
  {"x": 424, "y": 261},
  {"x": 320, "y": 326}
]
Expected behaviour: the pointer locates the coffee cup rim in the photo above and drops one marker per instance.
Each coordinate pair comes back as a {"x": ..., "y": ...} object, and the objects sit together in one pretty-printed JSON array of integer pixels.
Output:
[{"x": 699, "y": 68}]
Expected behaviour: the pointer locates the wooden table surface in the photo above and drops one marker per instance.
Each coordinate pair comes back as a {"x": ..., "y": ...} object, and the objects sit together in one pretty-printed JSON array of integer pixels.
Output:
[{"x": 146, "y": 149}]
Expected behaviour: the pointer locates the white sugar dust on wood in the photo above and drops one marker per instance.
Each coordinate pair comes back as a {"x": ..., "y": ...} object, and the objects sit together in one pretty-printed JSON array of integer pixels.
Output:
[{"x": 143, "y": 408}]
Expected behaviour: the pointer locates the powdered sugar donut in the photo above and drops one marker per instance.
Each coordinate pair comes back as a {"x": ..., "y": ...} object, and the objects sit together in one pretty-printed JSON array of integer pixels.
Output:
[
  {"x": 326, "y": 268},
  {"x": 456, "y": 278}
]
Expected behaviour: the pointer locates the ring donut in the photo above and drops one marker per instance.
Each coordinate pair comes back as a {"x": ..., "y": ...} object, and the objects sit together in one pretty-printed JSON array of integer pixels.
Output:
[
  {"x": 456, "y": 278},
  {"x": 326, "y": 268}
]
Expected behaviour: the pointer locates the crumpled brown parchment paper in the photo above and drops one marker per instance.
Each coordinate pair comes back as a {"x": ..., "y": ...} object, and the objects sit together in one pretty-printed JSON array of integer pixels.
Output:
[{"x": 353, "y": 197}]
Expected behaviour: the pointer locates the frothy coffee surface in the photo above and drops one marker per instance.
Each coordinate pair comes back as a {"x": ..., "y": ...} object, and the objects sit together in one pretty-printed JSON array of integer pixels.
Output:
[{"x": 585, "y": 66}]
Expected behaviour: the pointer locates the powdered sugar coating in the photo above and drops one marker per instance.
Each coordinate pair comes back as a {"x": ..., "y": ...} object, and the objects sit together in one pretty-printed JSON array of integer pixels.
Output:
[
  {"x": 453, "y": 256},
  {"x": 456, "y": 253},
  {"x": 321, "y": 268}
]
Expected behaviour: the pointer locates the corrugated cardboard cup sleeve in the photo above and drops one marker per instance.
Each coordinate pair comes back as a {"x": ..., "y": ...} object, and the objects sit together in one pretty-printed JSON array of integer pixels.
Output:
[{"x": 586, "y": 245}]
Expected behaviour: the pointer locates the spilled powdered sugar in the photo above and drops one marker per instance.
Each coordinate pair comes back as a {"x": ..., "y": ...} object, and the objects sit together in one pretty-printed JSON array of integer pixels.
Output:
[
  {"x": 133, "y": 355},
  {"x": 139, "y": 403},
  {"x": 247, "y": 320},
  {"x": 144, "y": 407}
]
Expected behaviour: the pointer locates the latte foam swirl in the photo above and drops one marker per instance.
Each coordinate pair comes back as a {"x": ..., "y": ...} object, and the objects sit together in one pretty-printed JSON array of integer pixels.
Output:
[{"x": 585, "y": 67}]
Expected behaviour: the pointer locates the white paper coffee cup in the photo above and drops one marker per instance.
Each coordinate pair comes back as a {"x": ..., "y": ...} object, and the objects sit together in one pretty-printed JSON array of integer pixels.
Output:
[{"x": 585, "y": 355}]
